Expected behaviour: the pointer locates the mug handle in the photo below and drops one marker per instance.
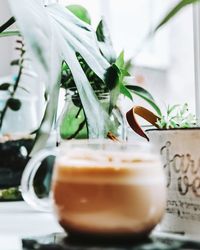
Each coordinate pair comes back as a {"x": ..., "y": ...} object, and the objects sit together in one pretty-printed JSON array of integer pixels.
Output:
[{"x": 27, "y": 187}]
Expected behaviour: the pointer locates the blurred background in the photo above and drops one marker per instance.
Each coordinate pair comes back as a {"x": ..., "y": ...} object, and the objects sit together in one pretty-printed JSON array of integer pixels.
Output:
[{"x": 164, "y": 65}]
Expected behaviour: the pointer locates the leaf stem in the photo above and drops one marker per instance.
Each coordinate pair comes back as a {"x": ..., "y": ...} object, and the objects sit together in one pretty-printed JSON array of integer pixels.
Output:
[
  {"x": 12, "y": 93},
  {"x": 79, "y": 111},
  {"x": 81, "y": 126},
  {"x": 7, "y": 24}
]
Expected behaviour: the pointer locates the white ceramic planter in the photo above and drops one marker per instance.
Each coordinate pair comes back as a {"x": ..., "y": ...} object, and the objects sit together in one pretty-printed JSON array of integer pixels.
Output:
[{"x": 180, "y": 152}]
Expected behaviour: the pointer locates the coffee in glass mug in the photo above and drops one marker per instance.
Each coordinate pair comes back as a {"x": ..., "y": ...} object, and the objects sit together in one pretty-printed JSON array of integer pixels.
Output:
[{"x": 105, "y": 188}]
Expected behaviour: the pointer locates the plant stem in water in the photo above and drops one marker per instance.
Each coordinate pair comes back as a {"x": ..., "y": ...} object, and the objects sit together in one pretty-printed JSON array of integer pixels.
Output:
[{"x": 81, "y": 126}]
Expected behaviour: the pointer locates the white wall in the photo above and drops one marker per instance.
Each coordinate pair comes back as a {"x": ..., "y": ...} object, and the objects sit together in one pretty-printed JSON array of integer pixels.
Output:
[
  {"x": 175, "y": 84},
  {"x": 32, "y": 84},
  {"x": 6, "y": 44}
]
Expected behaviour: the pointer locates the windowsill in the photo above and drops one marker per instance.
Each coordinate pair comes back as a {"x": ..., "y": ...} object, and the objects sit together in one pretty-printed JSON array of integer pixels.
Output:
[{"x": 19, "y": 220}]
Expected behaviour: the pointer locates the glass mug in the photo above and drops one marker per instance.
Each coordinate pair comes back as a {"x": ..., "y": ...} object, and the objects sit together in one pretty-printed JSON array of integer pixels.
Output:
[{"x": 102, "y": 188}]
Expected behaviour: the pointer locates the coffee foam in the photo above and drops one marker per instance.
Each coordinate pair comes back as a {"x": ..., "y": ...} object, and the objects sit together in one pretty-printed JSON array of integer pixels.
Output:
[
  {"x": 81, "y": 158},
  {"x": 82, "y": 165}
]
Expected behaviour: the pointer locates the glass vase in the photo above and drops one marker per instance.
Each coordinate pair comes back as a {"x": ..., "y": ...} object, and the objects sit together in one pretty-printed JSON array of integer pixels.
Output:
[
  {"x": 73, "y": 123},
  {"x": 16, "y": 143}
]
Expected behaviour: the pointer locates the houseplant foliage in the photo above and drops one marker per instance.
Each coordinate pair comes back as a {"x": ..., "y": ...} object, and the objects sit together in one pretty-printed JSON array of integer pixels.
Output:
[
  {"x": 68, "y": 38},
  {"x": 64, "y": 35},
  {"x": 73, "y": 123},
  {"x": 64, "y": 42},
  {"x": 176, "y": 117}
]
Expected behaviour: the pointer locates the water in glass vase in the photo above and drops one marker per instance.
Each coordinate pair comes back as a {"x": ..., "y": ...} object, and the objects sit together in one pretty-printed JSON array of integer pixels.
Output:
[{"x": 73, "y": 122}]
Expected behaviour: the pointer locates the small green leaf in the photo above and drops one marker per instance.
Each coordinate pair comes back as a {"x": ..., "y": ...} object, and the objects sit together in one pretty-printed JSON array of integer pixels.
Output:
[
  {"x": 144, "y": 94},
  {"x": 15, "y": 62},
  {"x": 112, "y": 76},
  {"x": 100, "y": 32},
  {"x": 14, "y": 104},
  {"x": 128, "y": 65},
  {"x": 80, "y": 11},
  {"x": 5, "y": 86},
  {"x": 125, "y": 72},
  {"x": 125, "y": 91},
  {"x": 171, "y": 109},
  {"x": 105, "y": 43},
  {"x": 120, "y": 61},
  {"x": 140, "y": 90},
  {"x": 10, "y": 33}
]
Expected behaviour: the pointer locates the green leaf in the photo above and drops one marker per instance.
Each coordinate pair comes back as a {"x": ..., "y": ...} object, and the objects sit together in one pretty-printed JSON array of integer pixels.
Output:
[
  {"x": 97, "y": 118},
  {"x": 125, "y": 91},
  {"x": 112, "y": 77},
  {"x": 5, "y": 86},
  {"x": 114, "y": 85},
  {"x": 171, "y": 109},
  {"x": 80, "y": 12},
  {"x": 100, "y": 32},
  {"x": 10, "y": 33},
  {"x": 128, "y": 65},
  {"x": 80, "y": 37},
  {"x": 15, "y": 62},
  {"x": 140, "y": 90},
  {"x": 144, "y": 94},
  {"x": 123, "y": 66},
  {"x": 179, "y": 6},
  {"x": 120, "y": 61},
  {"x": 125, "y": 73},
  {"x": 74, "y": 39},
  {"x": 14, "y": 104},
  {"x": 104, "y": 42}
]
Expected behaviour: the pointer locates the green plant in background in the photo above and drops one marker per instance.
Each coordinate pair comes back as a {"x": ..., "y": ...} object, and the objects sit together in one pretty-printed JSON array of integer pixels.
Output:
[
  {"x": 66, "y": 52},
  {"x": 72, "y": 44},
  {"x": 177, "y": 116}
]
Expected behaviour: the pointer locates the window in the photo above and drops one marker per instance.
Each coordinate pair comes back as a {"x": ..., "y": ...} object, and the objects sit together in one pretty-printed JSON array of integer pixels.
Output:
[{"x": 165, "y": 64}]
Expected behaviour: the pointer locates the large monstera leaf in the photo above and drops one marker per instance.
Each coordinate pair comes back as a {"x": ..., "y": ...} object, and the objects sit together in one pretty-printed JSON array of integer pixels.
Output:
[{"x": 52, "y": 35}]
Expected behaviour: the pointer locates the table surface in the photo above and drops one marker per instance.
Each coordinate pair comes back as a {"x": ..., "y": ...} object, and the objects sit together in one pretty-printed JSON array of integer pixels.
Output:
[{"x": 18, "y": 220}]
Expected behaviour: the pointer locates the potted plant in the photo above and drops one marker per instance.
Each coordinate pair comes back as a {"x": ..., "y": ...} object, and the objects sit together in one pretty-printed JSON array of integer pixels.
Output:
[
  {"x": 176, "y": 135},
  {"x": 61, "y": 49},
  {"x": 73, "y": 121},
  {"x": 16, "y": 140}
]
